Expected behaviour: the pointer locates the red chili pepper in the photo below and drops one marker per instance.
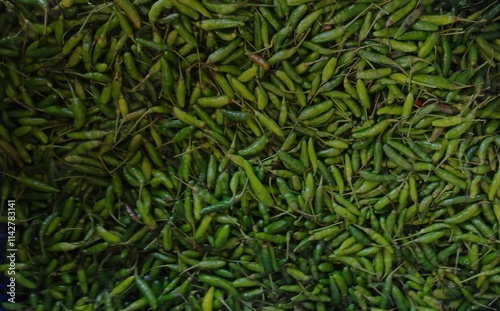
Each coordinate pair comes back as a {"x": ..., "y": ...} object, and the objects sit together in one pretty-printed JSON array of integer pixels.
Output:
[
  {"x": 325, "y": 28},
  {"x": 419, "y": 103},
  {"x": 132, "y": 214}
]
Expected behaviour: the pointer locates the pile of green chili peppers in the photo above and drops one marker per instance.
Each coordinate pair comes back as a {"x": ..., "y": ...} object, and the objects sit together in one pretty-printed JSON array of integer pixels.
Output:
[{"x": 252, "y": 155}]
